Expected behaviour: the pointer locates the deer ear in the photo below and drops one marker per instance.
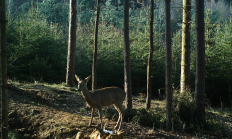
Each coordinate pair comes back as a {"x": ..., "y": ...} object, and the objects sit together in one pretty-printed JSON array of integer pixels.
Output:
[
  {"x": 77, "y": 78},
  {"x": 87, "y": 79}
]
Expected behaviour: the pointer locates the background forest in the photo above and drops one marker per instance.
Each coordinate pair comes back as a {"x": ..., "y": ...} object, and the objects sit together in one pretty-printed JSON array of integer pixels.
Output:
[{"x": 37, "y": 40}]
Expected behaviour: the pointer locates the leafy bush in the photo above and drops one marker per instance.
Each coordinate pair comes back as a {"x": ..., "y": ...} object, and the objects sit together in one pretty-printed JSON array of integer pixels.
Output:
[
  {"x": 147, "y": 118},
  {"x": 184, "y": 110},
  {"x": 129, "y": 114},
  {"x": 143, "y": 120},
  {"x": 140, "y": 116},
  {"x": 111, "y": 113}
]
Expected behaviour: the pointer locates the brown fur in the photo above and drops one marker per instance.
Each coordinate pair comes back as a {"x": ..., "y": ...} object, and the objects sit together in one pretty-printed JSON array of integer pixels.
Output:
[{"x": 102, "y": 97}]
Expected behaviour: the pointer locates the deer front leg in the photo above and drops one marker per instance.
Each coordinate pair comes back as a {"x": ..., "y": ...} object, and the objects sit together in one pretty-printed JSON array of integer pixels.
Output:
[{"x": 92, "y": 114}]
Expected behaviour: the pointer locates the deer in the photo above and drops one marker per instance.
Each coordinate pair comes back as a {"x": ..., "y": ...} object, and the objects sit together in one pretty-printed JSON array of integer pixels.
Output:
[{"x": 102, "y": 97}]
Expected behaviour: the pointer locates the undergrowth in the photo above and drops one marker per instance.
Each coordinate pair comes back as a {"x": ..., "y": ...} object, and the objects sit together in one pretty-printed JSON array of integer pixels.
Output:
[
  {"x": 185, "y": 117},
  {"x": 184, "y": 110},
  {"x": 146, "y": 118},
  {"x": 111, "y": 113},
  {"x": 138, "y": 116}
]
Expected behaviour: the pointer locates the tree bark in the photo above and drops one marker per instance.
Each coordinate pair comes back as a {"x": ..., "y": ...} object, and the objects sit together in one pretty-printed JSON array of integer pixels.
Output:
[
  {"x": 4, "y": 101},
  {"x": 150, "y": 57},
  {"x": 127, "y": 73},
  {"x": 200, "y": 62},
  {"x": 169, "y": 110},
  {"x": 185, "y": 57},
  {"x": 71, "y": 43},
  {"x": 94, "y": 70}
]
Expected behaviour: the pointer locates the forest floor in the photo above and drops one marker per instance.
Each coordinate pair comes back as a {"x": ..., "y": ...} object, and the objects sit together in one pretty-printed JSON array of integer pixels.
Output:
[{"x": 44, "y": 111}]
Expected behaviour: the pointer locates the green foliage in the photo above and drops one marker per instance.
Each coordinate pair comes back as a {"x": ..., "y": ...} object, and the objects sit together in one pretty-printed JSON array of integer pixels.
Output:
[
  {"x": 185, "y": 115},
  {"x": 218, "y": 61},
  {"x": 36, "y": 48},
  {"x": 37, "y": 42},
  {"x": 54, "y": 12},
  {"x": 140, "y": 116},
  {"x": 147, "y": 118},
  {"x": 111, "y": 113},
  {"x": 110, "y": 56},
  {"x": 129, "y": 114},
  {"x": 112, "y": 14},
  {"x": 14, "y": 135},
  {"x": 176, "y": 53},
  {"x": 142, "y": 120},
  {"x": 184, "y": 110}
]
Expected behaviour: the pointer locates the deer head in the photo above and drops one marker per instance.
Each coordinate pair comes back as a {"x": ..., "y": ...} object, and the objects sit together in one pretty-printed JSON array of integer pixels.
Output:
[{"x": 82, "y": 84}]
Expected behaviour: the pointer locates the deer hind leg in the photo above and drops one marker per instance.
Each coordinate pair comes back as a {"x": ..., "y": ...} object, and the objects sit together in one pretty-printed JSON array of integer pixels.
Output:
[
  {"x": 92, "y": 114},
  {"x": 119, "y": 108},
  {"x": 100, "y": 115}
]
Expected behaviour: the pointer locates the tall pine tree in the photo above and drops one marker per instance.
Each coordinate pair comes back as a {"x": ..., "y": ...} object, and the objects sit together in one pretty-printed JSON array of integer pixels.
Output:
[
  {"x": 185, "y": 84},
  {"x": 169, "y": 110},
  {"x": 71, "y": 43},
  {"x": 94, "y": 70},
  {"x": 4, "y": 96},
  {"x": 200, "y": 62},
  {"x": 149, "y": 65},
  {"x": 127, "y": 72}
]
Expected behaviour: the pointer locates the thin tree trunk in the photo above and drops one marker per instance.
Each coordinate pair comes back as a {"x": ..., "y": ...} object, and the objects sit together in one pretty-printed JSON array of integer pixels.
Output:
[
  {"x": 185, "y": 57},
  {"x": 149, "y": 66},
  {"x": 94, "y": 73},
  {"x": 4, "y": 101},
  {"x": 200, "y": 62},
  {"x": 71, "y": 43},
  {"x": 169, "y": 111},
  {"x": 127, "y": 74}
]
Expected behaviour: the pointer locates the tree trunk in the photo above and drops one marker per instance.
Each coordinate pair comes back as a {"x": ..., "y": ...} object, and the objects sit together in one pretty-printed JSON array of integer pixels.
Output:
[
  {"x": 169, "y": 111},
  {"x": 185, "y": 57},
  {"x": 200, "y": 62},
  {"x": 94, "y": 73},
  {"x": 149, "y": 66},
  {"x": 4, "y": 101},
  {"x": 127, "y": 74},
  {"x": 71, "y": 43}
]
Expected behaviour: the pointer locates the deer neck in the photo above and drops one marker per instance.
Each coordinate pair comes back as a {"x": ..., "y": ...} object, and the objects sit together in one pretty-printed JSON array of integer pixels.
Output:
[{"x": 87, "y": 96}]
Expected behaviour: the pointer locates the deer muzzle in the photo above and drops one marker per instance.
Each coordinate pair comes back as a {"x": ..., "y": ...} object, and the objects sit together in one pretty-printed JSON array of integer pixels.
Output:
[{"x": 78, "y": 88}]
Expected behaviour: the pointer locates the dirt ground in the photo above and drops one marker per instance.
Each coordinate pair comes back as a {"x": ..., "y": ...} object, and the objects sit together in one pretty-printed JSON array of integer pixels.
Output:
[{"x": 38, "y": 111}]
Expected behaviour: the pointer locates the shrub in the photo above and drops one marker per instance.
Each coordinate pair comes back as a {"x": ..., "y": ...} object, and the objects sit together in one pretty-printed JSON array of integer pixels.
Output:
[
  {"x": 184, "y": 110},
  {"x": 111, "y": 113},
  {"x": 129, "y": 114},
  {"x": 144, "y": 118}
]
